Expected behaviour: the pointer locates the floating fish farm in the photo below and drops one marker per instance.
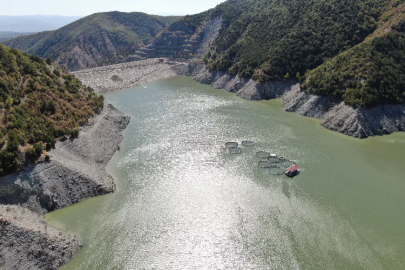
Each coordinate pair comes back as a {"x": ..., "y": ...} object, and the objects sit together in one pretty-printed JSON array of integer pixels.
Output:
[{"x": 277, "y": 165}]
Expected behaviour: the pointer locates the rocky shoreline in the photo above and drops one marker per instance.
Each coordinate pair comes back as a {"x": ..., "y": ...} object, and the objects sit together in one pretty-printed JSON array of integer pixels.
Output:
[
  {"x": 75, "y": 172},
  {"x": 335, "y": 115}
]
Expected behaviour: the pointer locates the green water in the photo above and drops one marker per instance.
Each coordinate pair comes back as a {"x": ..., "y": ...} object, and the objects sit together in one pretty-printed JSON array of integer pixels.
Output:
[{"x": 182, "y": 202}]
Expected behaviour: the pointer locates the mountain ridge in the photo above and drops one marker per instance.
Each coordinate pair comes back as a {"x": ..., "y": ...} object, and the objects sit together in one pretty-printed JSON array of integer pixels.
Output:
[{"x": 96, "y": 40}]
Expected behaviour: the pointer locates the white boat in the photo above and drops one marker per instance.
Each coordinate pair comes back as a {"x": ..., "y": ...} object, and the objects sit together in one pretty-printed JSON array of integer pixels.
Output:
[{"x": 145, "y": 86}]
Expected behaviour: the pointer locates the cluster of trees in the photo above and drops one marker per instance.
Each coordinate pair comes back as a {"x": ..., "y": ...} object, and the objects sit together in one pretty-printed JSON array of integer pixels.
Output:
[
  {"x": 368, "y": 74},
  {"x": 39, "y": 103}
]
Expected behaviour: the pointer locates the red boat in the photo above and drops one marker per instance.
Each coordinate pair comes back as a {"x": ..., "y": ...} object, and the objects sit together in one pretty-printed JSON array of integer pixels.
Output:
[{"x": 292, "y": 170}]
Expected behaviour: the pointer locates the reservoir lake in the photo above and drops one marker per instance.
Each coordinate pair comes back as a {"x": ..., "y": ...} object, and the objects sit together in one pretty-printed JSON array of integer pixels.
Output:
[{"x": 184, "y": 202}]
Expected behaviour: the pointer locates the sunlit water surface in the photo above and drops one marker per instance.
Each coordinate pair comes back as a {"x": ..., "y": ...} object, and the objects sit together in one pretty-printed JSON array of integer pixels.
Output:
[{"x": 182, "y": 202}]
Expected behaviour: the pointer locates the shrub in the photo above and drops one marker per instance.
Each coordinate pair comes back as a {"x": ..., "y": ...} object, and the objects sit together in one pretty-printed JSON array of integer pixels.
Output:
[
  {"x": 56, "y": 72},
  {"x": 12, "y": 142},
  {"x": 9, "y": 162},
  {"x": 74, "y": 132},
  {"x": 31, "y": 154}
]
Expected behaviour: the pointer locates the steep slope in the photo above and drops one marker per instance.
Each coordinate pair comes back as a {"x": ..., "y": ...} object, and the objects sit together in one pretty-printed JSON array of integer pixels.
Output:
[
  {"x": 96, "y": 40},
  {"x": 39, "y": 103}
]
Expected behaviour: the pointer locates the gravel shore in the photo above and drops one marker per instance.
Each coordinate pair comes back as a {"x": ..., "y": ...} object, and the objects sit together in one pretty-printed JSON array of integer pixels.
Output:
[{"x": 127, "y": 75}]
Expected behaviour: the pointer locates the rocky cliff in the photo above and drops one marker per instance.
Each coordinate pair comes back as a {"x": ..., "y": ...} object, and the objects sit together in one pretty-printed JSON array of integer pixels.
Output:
[
  {"x": 181, "y": 40},
  {"x": 96, "y": 40}
]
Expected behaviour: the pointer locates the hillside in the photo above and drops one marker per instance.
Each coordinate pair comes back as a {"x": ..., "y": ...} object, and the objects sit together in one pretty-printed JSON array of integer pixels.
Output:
[
  {"x": 96, "y": 40},
  {"x": 269, "y": 40},
  {"x": 39, "y": 103},
  {"x": 370, "y": 73}
]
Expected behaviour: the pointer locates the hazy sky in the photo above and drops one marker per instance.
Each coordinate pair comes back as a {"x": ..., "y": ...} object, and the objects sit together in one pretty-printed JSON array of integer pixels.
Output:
[{"x": 87, "y": 7}]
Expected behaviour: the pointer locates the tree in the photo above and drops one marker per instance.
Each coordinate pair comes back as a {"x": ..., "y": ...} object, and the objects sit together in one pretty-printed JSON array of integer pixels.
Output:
[
  {"x": 12, "y": 142},
  {"x": 9, "y": 102},
  {"x": 38, "y": 148}
]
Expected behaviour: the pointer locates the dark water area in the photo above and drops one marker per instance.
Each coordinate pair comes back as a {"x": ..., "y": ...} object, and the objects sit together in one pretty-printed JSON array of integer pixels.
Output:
[{"x": 183, "y": 202}]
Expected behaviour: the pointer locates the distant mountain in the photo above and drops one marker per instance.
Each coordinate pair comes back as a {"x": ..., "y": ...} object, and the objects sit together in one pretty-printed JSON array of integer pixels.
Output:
[
  {"x": 96, "y": 40},
  {"x": 4, "y": 36},
  {"x": 35, "y": 23}
]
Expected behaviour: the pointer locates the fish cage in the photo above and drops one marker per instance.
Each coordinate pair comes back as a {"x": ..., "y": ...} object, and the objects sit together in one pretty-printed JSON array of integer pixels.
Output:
[
  {"x": 247, "y": 143},
  {"x": 287, "y": 163},
  {"x": 274, "y": 159},
  {"x": 277, "y": 170},
  {"x": 231, "y": 145},
  {"x": 265, "y": 164},
  {"x": 262, "y": 154},
  {"x": 235, "y": 150}
]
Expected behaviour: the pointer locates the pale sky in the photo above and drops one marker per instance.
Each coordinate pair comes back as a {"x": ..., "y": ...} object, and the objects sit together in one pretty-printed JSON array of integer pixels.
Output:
[{"x": 87, "y": 7}]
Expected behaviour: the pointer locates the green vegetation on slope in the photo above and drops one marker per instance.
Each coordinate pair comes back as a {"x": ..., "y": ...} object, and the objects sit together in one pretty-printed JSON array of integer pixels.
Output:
[
  {"x": 98, "y": 39},
  {"x": 271, "y": 39},
  {"x": 370, "y": 73},
  {"x": 38, "y": 104}
]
